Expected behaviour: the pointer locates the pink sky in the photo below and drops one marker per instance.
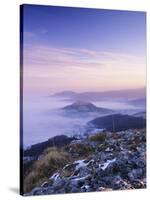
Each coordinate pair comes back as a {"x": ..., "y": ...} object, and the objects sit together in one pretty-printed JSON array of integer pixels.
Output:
[{"x": 48, "y": 69}]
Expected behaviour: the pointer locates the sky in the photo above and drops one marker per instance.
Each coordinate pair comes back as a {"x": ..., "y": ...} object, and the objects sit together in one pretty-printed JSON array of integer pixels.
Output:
[{"x": 82, "y": 49}]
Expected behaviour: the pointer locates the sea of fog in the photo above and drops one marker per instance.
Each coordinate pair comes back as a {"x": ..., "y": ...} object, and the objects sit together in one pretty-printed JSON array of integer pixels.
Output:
[{"x": 41, "y": 121}]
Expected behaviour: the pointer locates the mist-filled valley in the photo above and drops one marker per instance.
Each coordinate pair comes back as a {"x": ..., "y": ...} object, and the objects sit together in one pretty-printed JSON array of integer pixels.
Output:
[{"x": 51, "y": 115}]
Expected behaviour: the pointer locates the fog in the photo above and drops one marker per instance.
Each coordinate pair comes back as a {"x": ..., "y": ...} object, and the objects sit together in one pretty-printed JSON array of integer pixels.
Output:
[{"x": 42, "y": 120}]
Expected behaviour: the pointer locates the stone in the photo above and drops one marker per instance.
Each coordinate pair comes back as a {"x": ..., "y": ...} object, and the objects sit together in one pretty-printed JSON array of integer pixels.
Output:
[
  {"x": 37, "y": 191},
  {"x": 141, "y": 163},
  {"x": 137, "y": 184},
  {"x": 104, "y": 169},
  {"x": 118, "y": 183},
  {"x": 135, "y": 174},
  {"x": 58, "y": 184},
  {"x": 45, "y": 184},
  {"x": 74, "y": 190}
]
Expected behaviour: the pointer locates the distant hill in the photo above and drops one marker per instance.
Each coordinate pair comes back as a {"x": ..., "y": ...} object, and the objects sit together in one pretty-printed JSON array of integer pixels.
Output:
[
  {"x": 140, "y": 114},
  {"x": 65, "y": 94},
  {"x": 93, "y": 96},
  {"x": 118, "y": 122},
  {"x": 138, "y": 102},
  {"x": 85, "y": 107},
  {"x": 57, "y": 141}
]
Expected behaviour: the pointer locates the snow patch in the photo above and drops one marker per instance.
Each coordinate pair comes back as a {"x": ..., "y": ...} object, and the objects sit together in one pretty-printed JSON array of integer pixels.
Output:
[
  {"x": 55, "y": 176},
  {"x": 80, "y": 164},
  {"x": 105, "y": 165},
  {"x": 76, "y": 178},
  {"x": 85, "y": 186},
  {"x": 65, "y": 166}
]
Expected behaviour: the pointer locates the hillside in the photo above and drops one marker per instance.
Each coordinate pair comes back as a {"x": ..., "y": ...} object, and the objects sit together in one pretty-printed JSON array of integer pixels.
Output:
[
  {"x": 140, "y": 114},
  {"x": 118, "y": 122},
  {"x": 102, "y": 162},
  {"x": 57, "y": 141}
]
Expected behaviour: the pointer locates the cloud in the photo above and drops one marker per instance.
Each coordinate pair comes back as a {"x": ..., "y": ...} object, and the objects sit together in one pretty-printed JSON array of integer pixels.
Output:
[
  {"x": 28, "y": 34},
  {"x": 69, "y": 57},
  {"x": 39, "y": 33},
  {"x": 73, "y": 68}
]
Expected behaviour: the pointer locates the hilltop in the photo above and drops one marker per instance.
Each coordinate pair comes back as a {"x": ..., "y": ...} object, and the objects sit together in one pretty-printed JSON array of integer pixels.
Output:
[
  {"x": 82, "y": 107},
  {"x": 101, "y": 162}
]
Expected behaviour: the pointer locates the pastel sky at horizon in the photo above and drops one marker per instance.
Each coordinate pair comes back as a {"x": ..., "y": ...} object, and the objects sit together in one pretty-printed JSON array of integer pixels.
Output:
[{"x": 82, "y": 49}]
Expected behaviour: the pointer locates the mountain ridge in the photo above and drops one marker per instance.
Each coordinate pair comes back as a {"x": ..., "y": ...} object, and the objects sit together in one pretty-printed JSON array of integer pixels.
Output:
[
  {"x": 89, "y": 95},
  {"x": 118, "y": 122}
]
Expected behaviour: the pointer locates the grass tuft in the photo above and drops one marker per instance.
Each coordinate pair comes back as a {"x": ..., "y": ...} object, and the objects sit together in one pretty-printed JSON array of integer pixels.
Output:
[{"x": 52, "y": 160}]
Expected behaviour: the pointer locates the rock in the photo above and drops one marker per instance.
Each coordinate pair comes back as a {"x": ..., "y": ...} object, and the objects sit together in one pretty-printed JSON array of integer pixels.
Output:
[
  {"x": 101, "y": 189},
  {"x": 45, "y": 184},
  {"x": 135, "y": 174},
  {"x": 74, "y": 190},
  {"x": 50, "y": 190},
  {"x": 37, "y": 191},
  {"x": 90, "y": 189},
  {"x": 101, "y": 183},
  {"x": 107, "y": 179},
  {"x": 137, "y": 184},
  {"x": 117, "y": 164},
  {"x": 55, "y": 176},
  {"x": 84, "y": 171},
  {"x": 58, "y": 184},
  {"x": 74, "y": 184},
  {"x": 118, "y": 183},
  {"x": 141, "y": 163},
  {"x": 104, "y": 189}
]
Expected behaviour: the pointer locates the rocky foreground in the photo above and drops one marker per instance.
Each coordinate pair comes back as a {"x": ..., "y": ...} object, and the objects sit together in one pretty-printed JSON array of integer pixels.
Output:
[{"x": 116, "y": 161}]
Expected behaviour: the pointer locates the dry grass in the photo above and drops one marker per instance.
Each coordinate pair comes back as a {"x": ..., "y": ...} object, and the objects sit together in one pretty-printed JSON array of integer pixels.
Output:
[
  {"x": 80, "y": 149},
  {"x": 52, "y": 160},
  {"x": 99, "y": 137}
]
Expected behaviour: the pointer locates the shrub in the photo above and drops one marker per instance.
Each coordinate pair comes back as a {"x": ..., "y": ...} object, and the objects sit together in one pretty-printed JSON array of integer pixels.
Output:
[
  {"x": 80, "y": 149},
  {"x": 99, "y": 137}
]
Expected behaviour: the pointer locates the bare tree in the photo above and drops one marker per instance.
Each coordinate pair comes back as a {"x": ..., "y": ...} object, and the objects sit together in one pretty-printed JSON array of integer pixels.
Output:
[{"x": 113, "y": 123}]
